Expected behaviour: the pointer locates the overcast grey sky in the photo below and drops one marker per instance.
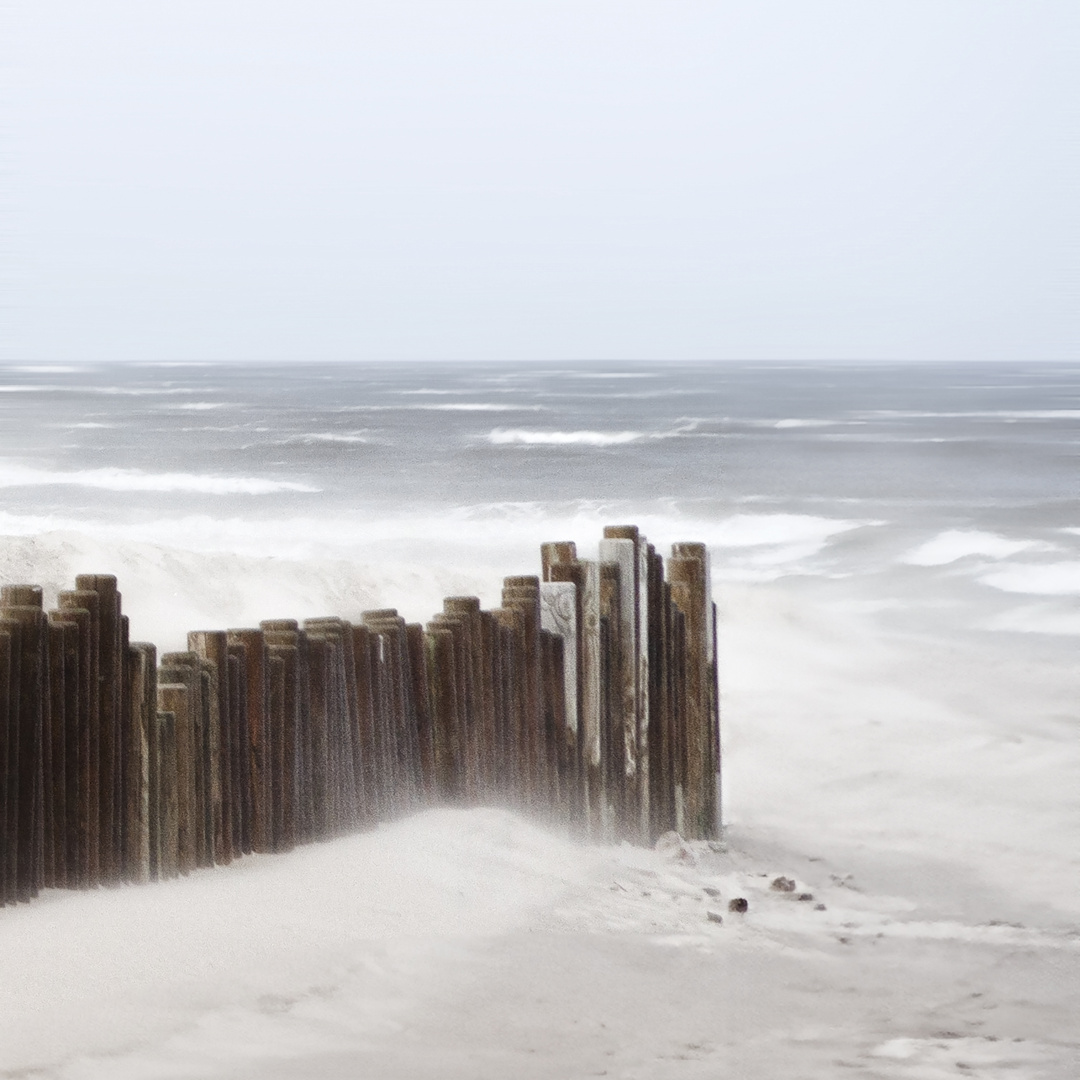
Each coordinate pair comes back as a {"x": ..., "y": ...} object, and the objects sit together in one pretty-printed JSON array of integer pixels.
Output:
[{"x": 336, "y": 179}]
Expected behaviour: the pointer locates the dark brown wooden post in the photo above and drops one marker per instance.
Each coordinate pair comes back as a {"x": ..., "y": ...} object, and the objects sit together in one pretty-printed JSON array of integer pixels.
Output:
[
  {"x": 688, "y": 572},
  {"x": 212, "y": 647},
  {"x": 236, "y": 655},
  {"x": 659, "y": 779},
  {"x": 257, "y": 691},
  {"x": 319, "y": 659},
  {"x": 343, "y": 720},
  {"x": 110, "y": 681},
  {"x": 559, "y": 615},
  {"x": 186, "y": 668},
  {"x": 283, "y": 645},
  {"x": 514, "y": 734},
  {"x": 8, "y": 775},
  {"x": 175, "y": 698},
  {"x": 414, "y": 638},
  {"x": 523, "y": 593},
  {"x": 168, "y": 810},
  {"x": 396, "y": 677},
  {"x": 142, "y": 694},
  {"x": 55, "y": 762},
  {"x": 21, "y": 604},
  {"x": 442, "y": 667},
  {"x": 467, "y": 610},
  {"x": 83, "y": 606},
  {"x": 372, "y": 777}
]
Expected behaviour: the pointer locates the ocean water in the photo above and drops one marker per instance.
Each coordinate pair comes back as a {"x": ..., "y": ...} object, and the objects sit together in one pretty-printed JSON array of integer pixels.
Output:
[
  {"x": 896, "y": 558},
  {"x": 942, "y": 474}
]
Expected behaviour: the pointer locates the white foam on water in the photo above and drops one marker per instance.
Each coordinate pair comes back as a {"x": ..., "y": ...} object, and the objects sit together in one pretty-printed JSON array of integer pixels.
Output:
[
  {"x": 478, "y": 406},
  {"x": 1040, "y": 579},
  {"x": 329, "y": 437},
  {"x": 520, "y": 436},
  {"x": 198, "y": 406},
  {"x": 980, "y": 414},
  {"x": 954, "y": 544},
  {"x": 45, "y": 369},
  {"x": 18, "y": 476}
]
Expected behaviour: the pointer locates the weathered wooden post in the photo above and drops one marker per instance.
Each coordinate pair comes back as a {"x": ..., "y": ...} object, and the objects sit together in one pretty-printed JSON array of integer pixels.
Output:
[
  {"x": 142, "y": 694},
  {"x": 212, "y": 647},
  {"x": 8, "y": 775},
  {"x": 442, "y": 670},
  {"x": 466, "y": 610},
  {"x": 319, "y": 676},
  {"x": 236, "y": 654},
  {"x": 110, "y": 684},
  {"x": 343, "y": 720},
  {"x": 624, "y": 547},
  {"x": 186, "y": 669},
  {"x": 523, "y": 594},
  {"x": 414, "y": 639},
  {"x": 175, "y": 698},
  {"x": 22, "y": 604},
  {"x": 369, "y": 737},
  {"x": 559, "y": 616},
  {"x": 83, "y": 607},
  {"x": 257, "y": 694},
  {"x": 514, "y": 733},
  {"x": 688, "y": 571},
  {"x": 396, "y": 678},
  {"x": 168, "y": 810},
  {"x": 283, "y": 644}
]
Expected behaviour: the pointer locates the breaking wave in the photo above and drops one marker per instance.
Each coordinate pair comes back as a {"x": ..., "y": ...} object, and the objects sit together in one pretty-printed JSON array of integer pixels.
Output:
[{"x": 13, "y": 476}]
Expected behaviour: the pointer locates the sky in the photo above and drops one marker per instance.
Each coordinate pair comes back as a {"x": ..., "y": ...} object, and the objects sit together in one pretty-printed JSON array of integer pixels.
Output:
[{"x": 540, "y": 179}]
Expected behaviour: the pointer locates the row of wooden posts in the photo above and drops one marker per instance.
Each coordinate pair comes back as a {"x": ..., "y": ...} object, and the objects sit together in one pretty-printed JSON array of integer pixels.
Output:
[{"x": 589, "y": 697}]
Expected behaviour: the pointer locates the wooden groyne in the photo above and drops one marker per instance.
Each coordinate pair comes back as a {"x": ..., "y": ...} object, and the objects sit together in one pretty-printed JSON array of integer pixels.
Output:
[{"x": 589, "y": 697}]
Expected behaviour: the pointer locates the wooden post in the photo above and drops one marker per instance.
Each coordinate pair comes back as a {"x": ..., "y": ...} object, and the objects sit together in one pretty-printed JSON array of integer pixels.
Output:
[
  {"x": 8, "y": 774},
  {"x": 168, "y": 811},
  {"x": 319, "y": 659},
  {"x": 621, "y": 548},
  {"x": 256, "y": 694},
  {"x": 514, "y": 735},
  {"x": 414, "y": 639},
  {"x": 83, "y": 606},
  {"x": 283, "y": 646},
  {"x": 175, "y": 698},
  {"x": 396, "y": 675},
  {"x": 559, "y": 616},
  {"x": 142, "y": 694},
  {"x": 187, "y": 669},
  {"x": 212, "y": 647},
  {"x": 343, "y": 720},
  {"x": 523, "y": 593},
  {"x": 110, "y": 680},
  {"x": 688, "y": 571},
  {"x": 372, "y": 776},
  {"x": 442, "y": 669},
  {"x": 22, "y": 604}
]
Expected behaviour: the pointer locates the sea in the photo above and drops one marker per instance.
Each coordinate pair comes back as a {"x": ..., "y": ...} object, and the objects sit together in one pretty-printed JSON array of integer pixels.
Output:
[{"x": 896, "y": 561}]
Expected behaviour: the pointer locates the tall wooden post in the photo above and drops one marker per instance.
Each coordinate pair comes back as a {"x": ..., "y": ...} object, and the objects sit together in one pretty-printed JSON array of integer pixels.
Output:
[
  {"x": 168, "y": 812},
  {"x": 110, "y": 691},
  {"x": 212, "y": 647},
  {"x": 22, "y": 604},
  {"x": 688, "y": 571},
  {"x": 256, "y": 694},
  {"x": 8, "y": 771},
  {"x": 142, "y": 694}
]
